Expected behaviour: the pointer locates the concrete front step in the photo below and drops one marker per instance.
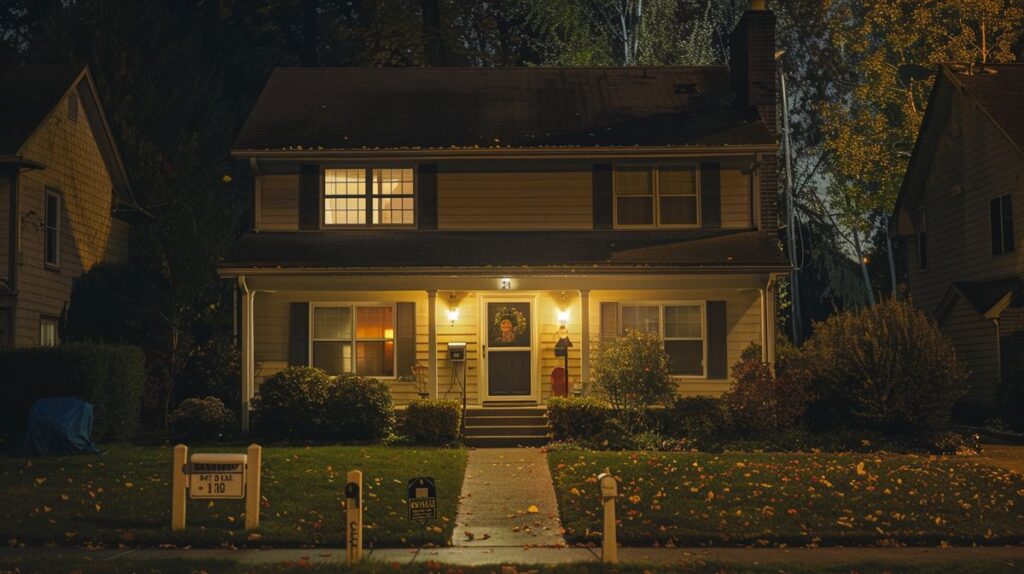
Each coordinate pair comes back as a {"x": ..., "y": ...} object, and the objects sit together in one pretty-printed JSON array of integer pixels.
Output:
[
  {"x": 505, "y": 412},
  {"x": 474, "y": 431},
  {"x": 500, "y": 421},
  {"x": 505, "y": 441}
]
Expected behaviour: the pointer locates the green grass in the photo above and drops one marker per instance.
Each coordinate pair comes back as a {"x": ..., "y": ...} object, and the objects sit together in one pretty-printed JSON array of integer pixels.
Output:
[
  {"x": 124, "y": 497},
  {"x": 795, "y": 499}
]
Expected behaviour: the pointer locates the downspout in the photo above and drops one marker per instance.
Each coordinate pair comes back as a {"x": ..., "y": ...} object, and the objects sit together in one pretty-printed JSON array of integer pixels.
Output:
[
  {"x": 999, "y": 352},
  {"x": 246, "y": 363}
]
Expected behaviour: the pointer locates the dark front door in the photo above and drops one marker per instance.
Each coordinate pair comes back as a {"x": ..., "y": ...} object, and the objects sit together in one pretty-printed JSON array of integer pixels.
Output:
[{"x": 509, "y": 355}]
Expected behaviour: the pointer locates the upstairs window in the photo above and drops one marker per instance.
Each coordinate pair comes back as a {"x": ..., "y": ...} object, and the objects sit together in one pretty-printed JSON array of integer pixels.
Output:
[
  {"x": 359, "y": 196},
  {"x": 922, "y": 239},
  {"x": 1001, "y": 221},
  {"x": 48, "y": 333},
  {"x": 51, "y": 232},
  {"x": 662, "y": 196}
]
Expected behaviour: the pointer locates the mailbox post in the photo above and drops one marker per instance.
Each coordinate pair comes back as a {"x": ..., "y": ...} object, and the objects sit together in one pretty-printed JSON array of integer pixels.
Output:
[
  {"x": 354, "y": 517},
  {"x": 179, "y": 487},
  {"x": 609, "y": 492}
]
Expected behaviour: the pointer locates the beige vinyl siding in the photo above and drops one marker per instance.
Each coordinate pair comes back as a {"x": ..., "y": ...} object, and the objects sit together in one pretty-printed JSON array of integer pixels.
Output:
[
  {"x": 279, "y": 202},
  {"x": 975, "y": 339},
  {"x": 514, "y": 200},
  {"x": 5, "y": 223},
  {"x": 736, "y": 192},
  {"x": 75, "y": 169}
]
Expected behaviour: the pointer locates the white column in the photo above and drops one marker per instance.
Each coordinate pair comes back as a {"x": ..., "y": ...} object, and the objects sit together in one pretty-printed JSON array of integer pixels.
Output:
[
  {"x": 584, "y": 338},
  {"x": 764, "y": 324},
  {"x": 769, "y": 317},
  {"x": 432, "y": 342},
  {"x": 246, "y": 352}
]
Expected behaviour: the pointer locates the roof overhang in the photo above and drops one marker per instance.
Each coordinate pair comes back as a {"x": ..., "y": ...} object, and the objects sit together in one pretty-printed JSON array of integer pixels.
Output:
[
  {"x": 518, "y": 271},
  {"x": 503, "y": 153}
]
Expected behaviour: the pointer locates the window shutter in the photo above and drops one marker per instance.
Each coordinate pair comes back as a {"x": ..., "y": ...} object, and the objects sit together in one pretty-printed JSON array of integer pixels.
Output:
[
  {"x": 298, "y": 335},
  {"x": 426, "y": 196},
  {"x": 405, "y": 338},
  {"x": 602, "y": 198},
  {"x": 309, "y": 197},
  {"x": 710, "y": 195},
  {"x": 609, "y": 321},
  {"x": 718, "y": 345}
]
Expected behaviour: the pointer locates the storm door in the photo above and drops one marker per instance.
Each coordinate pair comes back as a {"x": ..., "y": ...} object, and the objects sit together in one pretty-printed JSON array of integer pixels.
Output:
[{"x": 509, "y": 355}]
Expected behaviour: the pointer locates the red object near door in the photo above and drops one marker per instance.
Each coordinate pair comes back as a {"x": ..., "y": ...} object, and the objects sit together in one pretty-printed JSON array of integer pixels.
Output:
[{"x": 559, "y": 386}]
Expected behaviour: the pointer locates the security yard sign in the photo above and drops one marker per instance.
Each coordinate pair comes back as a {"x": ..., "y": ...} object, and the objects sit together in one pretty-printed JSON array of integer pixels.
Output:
[
  {"x": 216, "y": 475},
  {"x": 422, "y": 499}
]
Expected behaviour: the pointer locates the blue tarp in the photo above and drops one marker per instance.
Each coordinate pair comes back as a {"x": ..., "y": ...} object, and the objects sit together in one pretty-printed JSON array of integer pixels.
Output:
[{"x": 58, "y": 426}]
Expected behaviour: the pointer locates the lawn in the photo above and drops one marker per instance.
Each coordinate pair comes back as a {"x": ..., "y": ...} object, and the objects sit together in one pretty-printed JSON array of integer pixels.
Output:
[
  {"x": 123, "y": 496},
  {"x": 793, "y": 499}
]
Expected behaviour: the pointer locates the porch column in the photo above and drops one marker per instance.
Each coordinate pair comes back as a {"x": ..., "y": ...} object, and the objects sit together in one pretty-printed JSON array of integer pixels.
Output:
[
  {"x": 584, "y": 338},
  {"x": 432, "y": 342},
  {"x": 246, "y": 352},
  {"x": 768, "y": 317}
]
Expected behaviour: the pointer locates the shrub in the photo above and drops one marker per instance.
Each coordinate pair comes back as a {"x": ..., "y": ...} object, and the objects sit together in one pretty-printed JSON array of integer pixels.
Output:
[
  {"x": 202, "y": 419},
  {"x": 887, "y": 367},
  {"x": 700, "y": 419},
  {"x": 292, "y": 404},
  {"x": 1011, "y": 395},
  {"x": 614, "y": 436},
  {"x": 576, "y": 418},
  {"x": 632, "y": 371},
  {"x": 111, "y": 377},
  {"x": 358, "y": 409},
  {"x": 433, "y": 422},
  {"x": 759, "y": 402}
]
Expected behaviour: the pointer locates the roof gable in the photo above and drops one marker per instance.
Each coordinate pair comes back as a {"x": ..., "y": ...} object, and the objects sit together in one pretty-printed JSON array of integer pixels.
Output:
[{"x": 442, "y": 108}]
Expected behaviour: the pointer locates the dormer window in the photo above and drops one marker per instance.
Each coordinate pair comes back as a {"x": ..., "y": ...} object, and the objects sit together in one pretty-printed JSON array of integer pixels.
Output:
[
  {"x": 364, "y": 196},
  {"x": 656, "y": 196}
]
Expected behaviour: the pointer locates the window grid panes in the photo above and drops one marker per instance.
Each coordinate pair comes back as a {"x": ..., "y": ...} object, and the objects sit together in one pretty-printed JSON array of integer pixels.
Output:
[
  {"x": 681, "y": 328},
  {"x": 344, "y": 196},
  {"x": 48, "y": 332},
  {"x": 380, "y": 196},
  {"x": 656, "y": 196},
  {"x": 393, "y": 196},
  {"x": 677, "y": 195},
  {"x": 354, "y": 339}
]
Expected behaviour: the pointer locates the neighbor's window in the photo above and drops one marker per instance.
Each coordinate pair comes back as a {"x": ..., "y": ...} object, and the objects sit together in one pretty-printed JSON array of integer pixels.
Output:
[
  {"x": 922, "y": 239},
  {"x": 357, "y": 196},
  {"x": 680, "y": 326},
  {"x": 655, "y": 196},
  {"x": 1001, "y": 216},
  {"x": 354, "y": 339},
  {"x": 48, "y": 332},
  {"x": 51, "y": 238}
]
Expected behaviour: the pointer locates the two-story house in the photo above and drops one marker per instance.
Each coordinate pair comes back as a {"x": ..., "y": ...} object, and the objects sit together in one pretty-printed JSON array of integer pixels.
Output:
[
  {"x": 398, "y": 211},
  {"x": 65, "y": 201},
  {"x": 956, "y": 213}
]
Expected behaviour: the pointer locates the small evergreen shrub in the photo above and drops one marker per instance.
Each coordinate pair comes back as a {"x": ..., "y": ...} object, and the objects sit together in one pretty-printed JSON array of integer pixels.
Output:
[
  {"x": 576, "y": 418},
  {"x": 358, "y": 409},
  {"x": 433, "y": 422},
  {"x": 701, "y": 420},
  {"x": 886, "y": 367},
  {"x": 293, "y": 404},
  {"x": 759, "y": 402},
  {"x": 632, "y": 372},
  {"x": 202, "y": 419}
]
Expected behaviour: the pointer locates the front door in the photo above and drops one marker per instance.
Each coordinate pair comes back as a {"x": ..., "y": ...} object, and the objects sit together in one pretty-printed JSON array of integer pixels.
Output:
[{"x": 508, "y": 332}]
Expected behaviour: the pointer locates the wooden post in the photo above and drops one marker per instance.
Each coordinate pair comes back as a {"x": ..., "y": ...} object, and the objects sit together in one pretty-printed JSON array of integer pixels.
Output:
[
  {"x": 609, "y": 492},
  {"x": 584, "y": 339},
  {"x": 254, "y": 461},
  {"x": 178, "y": 486},
  {"x": 354, "y": 517}
]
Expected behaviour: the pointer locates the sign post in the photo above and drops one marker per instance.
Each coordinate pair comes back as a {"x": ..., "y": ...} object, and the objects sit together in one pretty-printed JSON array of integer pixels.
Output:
[
  {"x": 422, "y": 500},
  {"x": 179, "y": 485},
  {"x": 216, "y": 476},
  {"x": 609, "y": 492},
  {"x": 252, "y": 495},
  {"x": 354, "y": 517}
]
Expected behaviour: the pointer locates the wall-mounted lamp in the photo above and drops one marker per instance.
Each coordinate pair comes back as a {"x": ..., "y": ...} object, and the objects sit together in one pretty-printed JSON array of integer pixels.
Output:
[
  {"x": 389, "y": 334},
  {"x": 563, "y": 317},
  {"x": 453, "y": 309}
]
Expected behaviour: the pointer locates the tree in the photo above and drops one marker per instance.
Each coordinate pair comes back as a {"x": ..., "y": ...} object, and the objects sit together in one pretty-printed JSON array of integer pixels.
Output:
[{"x": 632, "y": 372}]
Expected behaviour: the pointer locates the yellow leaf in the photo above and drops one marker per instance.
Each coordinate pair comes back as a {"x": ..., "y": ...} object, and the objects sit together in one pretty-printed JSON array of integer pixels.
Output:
[
  {"x": 40, "y": 480},
  {"x": 533, "y": 509},
  {"x": 860, "y": 469}
]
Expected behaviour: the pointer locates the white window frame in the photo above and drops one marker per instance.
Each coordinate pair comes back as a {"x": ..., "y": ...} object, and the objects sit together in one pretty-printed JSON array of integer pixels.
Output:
[
  {"x": 355, "y": 326},
  {"x": 369, "y": 196},
  {"x": 44, "y": 321},
  {"x": 655, "y": 196},
  {"x": 55, "y": 264},
  {"x": 661, "y": 327}
]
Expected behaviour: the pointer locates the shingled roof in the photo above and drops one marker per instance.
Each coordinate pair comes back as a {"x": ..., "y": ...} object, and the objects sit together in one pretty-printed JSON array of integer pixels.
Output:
[
  {"x": 438, "y": 108},
  {"x": 999, "y": 89},
  {"x": 581, "y": 250}
]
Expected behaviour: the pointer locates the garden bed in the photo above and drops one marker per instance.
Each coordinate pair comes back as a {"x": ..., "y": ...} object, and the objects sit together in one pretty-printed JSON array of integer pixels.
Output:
[
  {"x": 688, "y": 499},
  {"x": 124, "y": 497}
]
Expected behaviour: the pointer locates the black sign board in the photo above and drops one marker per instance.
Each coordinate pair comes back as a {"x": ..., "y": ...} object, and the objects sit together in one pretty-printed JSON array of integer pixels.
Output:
[
  {"x": 352, "y": 492},
  {"x": 422, "y": 499}
]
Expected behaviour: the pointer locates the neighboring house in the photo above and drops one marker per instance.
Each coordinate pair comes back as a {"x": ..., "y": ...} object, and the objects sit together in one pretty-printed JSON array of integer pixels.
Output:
[
  {"x": 956, "y": 211},
  {"x": 64, "y": 197},
  {"x": 399, "y": 210}
]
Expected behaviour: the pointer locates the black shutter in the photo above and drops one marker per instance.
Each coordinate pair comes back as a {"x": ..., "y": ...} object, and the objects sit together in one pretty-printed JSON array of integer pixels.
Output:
[
  {"x": 426, "y": 196},
  {"x": 309, "y": 197},
  {"x": 718, "y": 345},
  {"x": 609, "y": 321},
  {"x": 710, "y": 195},
  {"x": 602, "y": 198},
  {"x": 298, "y": 335},
  {"x": 405, "y": 338}
]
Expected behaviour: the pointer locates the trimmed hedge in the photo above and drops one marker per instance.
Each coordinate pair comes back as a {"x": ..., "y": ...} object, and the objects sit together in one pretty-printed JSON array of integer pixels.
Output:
[
  {"x": 434, "y": 422},
  {"x": 359, "y": 409},
  {"x": 203, "y": 419},
  {"x": 577, "y": 418},
  {"x": 111, "y": 377}
]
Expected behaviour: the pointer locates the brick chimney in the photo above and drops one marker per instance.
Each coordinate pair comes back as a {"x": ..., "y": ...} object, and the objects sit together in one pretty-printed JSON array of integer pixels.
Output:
[{"x": 752, "y": 62}]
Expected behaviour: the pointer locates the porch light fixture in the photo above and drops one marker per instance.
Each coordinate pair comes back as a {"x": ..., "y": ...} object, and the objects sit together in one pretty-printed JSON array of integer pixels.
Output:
[
  {"x": 453, "y": 309},
  {"x": 389, "y": 334},
  {"x": 563, "y": 317}
]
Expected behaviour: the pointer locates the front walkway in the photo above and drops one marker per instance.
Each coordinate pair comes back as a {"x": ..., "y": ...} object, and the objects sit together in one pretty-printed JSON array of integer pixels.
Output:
[{"x": 508, "y": 499}]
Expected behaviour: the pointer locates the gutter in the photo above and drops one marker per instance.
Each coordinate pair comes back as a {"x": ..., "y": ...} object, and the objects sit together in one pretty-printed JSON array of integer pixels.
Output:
[
  {"x": 231, "y": 272},
  {"x": 503, "y": 153}
]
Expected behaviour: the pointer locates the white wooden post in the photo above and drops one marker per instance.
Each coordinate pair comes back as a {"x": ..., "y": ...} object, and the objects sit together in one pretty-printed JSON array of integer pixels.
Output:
[
  {"x": 178, "y": 485},
  {"x": 584, "y": 339},
  {"x": 354, "y": 517},
  {"x": 769, "y": 321},
  {"x": 248, "y": 385},
  {"x": 609, "y": 492},
  {"x": 254, "y": 460},
  {"x": 432, "y": 342}
]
